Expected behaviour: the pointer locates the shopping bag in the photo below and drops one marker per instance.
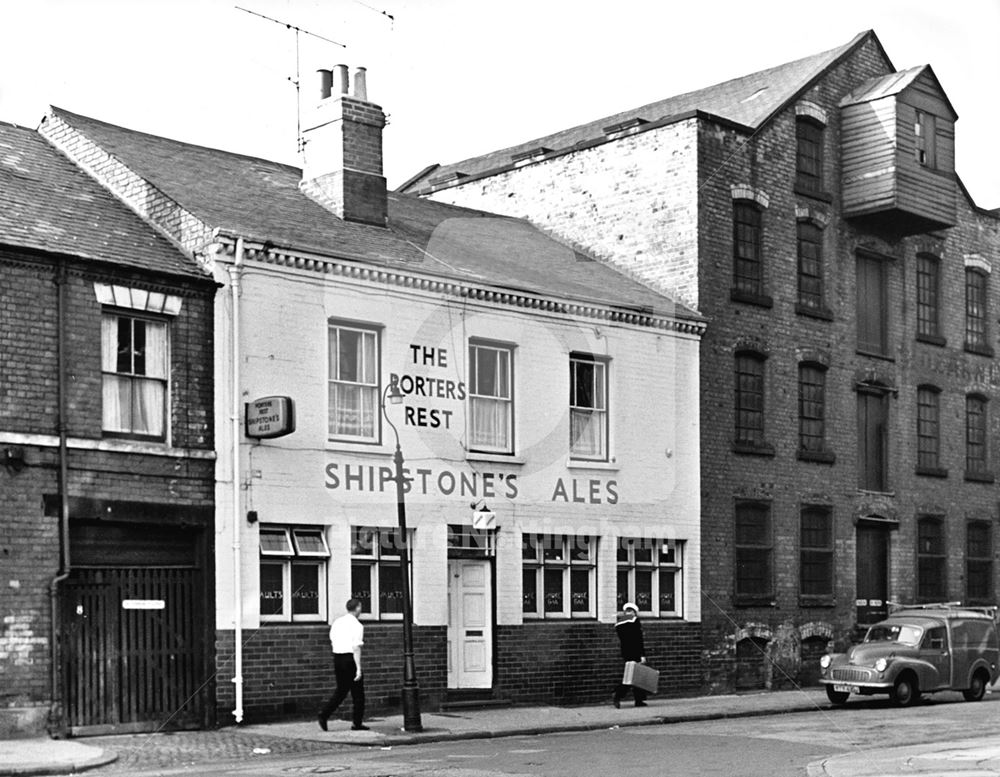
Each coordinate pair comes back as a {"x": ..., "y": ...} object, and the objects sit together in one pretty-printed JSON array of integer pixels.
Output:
[{"x": 640, "y": 676}]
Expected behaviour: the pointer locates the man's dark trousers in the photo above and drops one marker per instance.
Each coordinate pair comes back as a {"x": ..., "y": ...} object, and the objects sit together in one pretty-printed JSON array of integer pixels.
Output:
[{"x": 344, "y": 669}]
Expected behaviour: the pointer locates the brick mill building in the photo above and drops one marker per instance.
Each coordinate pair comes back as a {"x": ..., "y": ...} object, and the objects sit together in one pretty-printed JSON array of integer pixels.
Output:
[
  {"x": 106, "y": 458},
  {"x": 542, "y": 492},
  {"x": 850, "y": 400}
]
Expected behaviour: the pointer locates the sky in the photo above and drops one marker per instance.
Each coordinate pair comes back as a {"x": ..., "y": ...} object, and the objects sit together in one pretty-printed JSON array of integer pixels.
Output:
[{"x": 459, "y": 78}]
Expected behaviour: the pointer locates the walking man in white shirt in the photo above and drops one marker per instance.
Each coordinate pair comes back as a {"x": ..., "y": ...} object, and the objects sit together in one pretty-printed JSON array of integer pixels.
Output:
[{"x": 346, "y": 638}]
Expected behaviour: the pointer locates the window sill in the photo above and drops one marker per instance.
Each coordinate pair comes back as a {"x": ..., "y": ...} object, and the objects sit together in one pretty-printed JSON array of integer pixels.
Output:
[
  {"x": 932, "y": 340},
  {"x": 979, "y": 477},
  {"x": 980, "y": 350},
  {"x": 817, "y": 601},
  {"x": 813, "y": 194},
  {"x": 558, "y": 618},
  {"x": 604, "y": 466},
  {"x": 754, "y": 601},
  {"x": 496, "y": 458},
  {"x": 874, "y": 492},
  {"x": 822, "y": 313},
  {"x": 932, "y": 472},
  {"x": 883, "y": 356},
  {"x": 749, "y": 449},
  {"x": 819, "y": 457},
  {"x": 749, "y": 298}
]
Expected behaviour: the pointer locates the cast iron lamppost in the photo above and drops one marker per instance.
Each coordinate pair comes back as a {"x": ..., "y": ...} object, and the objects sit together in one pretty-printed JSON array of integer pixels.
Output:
[{"x": 411, "y": 691}]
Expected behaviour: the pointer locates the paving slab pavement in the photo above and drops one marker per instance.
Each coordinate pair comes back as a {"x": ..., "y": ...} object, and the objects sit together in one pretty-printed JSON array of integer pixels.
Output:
[{"x": 47, "y": 756}]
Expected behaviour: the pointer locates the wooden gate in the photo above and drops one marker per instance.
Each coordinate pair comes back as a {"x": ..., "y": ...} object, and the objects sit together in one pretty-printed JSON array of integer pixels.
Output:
[{"x": 132, "y": 653}]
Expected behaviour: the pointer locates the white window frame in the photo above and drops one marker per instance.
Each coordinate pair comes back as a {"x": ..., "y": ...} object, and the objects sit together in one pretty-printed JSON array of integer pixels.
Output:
[
  {"x": 152, "y": 373},
  {"x": 291, "y": 554},
  {"x": 566, "y": 565},
  {"x": 502, "y": 400},
  {"x": 657, "y": 563},
  {"x": 375, "y": 560},
  {"x": 367, "y": 385},
  {"x": 596, "y": 415}
]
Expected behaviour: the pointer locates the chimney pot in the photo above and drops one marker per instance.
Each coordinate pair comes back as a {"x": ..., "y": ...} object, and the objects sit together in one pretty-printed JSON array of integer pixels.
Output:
[
  {"x": 340, "y": 82},
  {"x": 325, "y": 83},
  {"x": 360, "y": 84}
]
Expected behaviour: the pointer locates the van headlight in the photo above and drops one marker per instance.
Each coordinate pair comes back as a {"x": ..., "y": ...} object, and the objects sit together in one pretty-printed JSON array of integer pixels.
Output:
[
  {"x": 881, "y": 664},
  {"x": 824, "y": 661}
]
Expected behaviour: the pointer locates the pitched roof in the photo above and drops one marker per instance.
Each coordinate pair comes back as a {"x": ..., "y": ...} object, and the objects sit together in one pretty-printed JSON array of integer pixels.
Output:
[
  {"x": 893, "y": 84},
  {"x": 749, "y": 100},
  {"x": 260, "y": 201},
  {"x": 49, "y": 204}
]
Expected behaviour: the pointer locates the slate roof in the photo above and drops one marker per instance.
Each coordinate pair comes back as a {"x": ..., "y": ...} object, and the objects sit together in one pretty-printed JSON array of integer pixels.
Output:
[
  {"x": 48, "y": 204},
  {"x": 749, "y": 101},
  {"x": 260, "y": 201}
]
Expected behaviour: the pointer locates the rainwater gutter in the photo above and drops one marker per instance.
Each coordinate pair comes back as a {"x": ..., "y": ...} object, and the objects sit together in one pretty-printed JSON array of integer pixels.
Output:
[
  {"x": 57, "y": 718},
  {"x": 234, "y": 286}
]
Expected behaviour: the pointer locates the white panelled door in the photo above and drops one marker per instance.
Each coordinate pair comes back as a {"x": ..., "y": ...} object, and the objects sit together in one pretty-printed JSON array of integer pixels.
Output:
[{"x": 470, "y": 624}]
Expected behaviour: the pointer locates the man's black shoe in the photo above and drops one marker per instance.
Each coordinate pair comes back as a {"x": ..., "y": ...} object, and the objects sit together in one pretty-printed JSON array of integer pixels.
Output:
[
  {"x": 640, "y": 704},
  {"x": 361, "y": 727},
  {"x": 322, "y": 722}
]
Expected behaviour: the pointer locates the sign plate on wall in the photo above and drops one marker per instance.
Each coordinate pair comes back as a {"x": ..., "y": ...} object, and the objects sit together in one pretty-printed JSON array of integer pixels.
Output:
[
  {"x": 269, "y": 417},
  {"x": 143, "y": 604}
]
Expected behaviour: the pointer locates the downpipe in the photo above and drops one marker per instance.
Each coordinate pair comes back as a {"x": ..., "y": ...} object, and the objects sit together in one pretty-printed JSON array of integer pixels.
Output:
[{"x": 234, "y": 286}]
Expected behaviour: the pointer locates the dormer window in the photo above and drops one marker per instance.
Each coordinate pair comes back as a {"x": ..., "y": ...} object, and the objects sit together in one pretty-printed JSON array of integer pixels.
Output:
[{"x": 924, "y": 131}]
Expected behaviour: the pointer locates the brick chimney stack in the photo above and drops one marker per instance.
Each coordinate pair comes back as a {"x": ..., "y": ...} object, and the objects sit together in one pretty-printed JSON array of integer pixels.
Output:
[{"x": 342, "y": 149}]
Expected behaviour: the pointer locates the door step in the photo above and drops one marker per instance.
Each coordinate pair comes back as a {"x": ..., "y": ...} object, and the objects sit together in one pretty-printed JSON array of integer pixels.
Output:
[{"x": 472, "y": 700}]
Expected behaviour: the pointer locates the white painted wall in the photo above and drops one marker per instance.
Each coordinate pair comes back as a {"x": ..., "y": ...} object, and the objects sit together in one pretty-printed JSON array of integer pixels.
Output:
[{"x": 653, "y": 441}]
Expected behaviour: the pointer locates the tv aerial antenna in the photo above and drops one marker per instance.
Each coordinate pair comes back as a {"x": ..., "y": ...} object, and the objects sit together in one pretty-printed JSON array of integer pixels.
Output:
[{"x": 297, "y": 80}]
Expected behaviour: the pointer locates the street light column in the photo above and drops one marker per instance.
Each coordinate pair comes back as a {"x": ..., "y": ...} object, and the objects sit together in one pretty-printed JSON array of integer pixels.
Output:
[{"x": 411, "y": 690}]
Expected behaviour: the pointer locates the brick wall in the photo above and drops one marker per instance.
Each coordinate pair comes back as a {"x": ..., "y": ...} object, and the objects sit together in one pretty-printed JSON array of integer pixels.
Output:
[
  {"x": 562, "y": 194},
  {"x": 288, "y": 670},
  {"x": 29, "y": 539},
  {"x": 562, "y": 662}
]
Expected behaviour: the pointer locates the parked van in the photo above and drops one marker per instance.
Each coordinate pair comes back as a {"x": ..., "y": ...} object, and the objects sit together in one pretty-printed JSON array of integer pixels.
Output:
[{"x": 916, "y": 650}]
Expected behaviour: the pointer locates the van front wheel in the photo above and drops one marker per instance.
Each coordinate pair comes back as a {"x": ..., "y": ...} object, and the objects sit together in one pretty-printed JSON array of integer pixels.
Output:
[{"x": 905, "y": 692}]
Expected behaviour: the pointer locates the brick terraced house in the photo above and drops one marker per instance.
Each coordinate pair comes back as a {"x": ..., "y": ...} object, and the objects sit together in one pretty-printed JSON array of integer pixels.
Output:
[
  {"x": 106, "y": 458},
  {"x": 548, "y": 425},
  {"x": 850, "y": 400}
]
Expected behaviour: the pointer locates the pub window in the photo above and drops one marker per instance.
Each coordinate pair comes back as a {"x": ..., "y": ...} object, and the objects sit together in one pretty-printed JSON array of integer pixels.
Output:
[
  {"x": 491, "y": 398},
  {"x": 976, "y": 336},
  {"x": 134, "y": 359},
  {"x": 810, "y": 265},
  {"x": 931, "y": 582},
  {"x": 925, "y": 136},
  {"x": 928, "y": 429},
  {"x": 353, "y": 382},
  {"x": 588, "y": 407},
  {"x": 816, "y": 552},
  {"x": 558, "y": 575},
  {"x": 872, "y": 304},
  {"x": 928, "y": 296},
  {"x": 873, "y": 438},
  {"x": 812, "y": 408},
  {"x": 749, "y": 399},
  {"x": 979, "y": 563},
  {"x": 753, "y": 549},
  {"x": 649, "y": 575},
  {"x": 748, "y": 270},
  {"x": 809, "y": 154},
  {"x": 976, "y": 453},
  {"x": 376, "y": 572},
  {"x": 293, "y": 569}
]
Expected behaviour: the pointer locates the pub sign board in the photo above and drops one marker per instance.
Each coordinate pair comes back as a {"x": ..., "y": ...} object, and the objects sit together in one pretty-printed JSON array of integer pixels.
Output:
[{"x": 269, "y": 417}]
